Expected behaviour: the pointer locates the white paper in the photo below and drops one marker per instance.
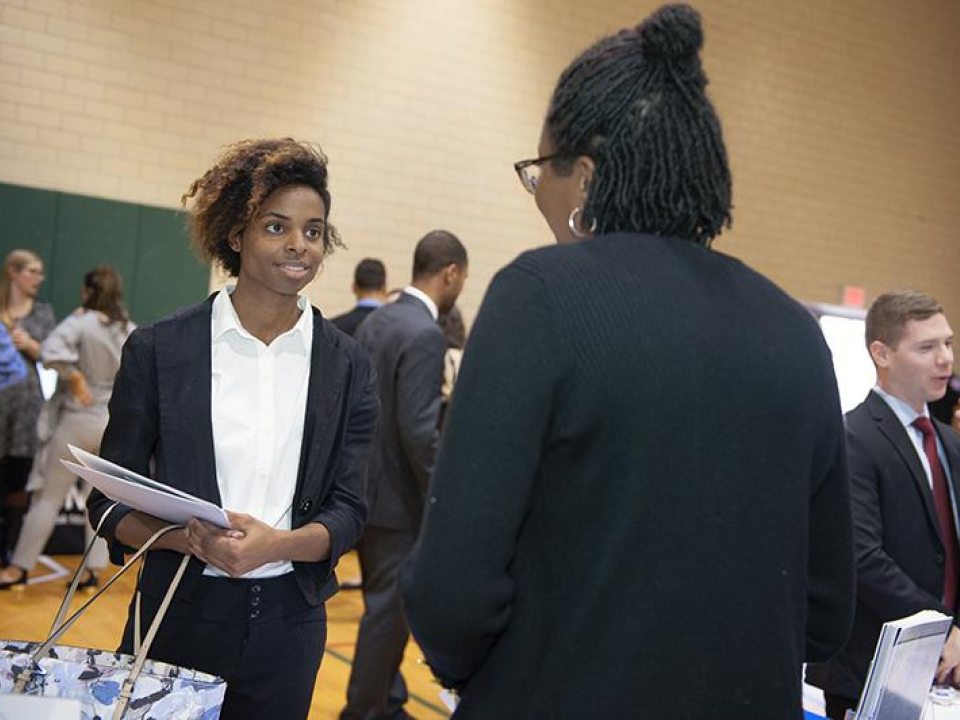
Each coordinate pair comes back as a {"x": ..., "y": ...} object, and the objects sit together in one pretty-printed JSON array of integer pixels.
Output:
[
  {"x": 449, "y": 699},
  {"x": 95, "y": 462},
  {"x": 176, "y": 508},
  {"x": 31, "y": 707}
]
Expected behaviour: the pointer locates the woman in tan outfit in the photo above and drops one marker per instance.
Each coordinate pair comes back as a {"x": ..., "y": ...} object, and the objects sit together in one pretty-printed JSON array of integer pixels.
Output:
[{"x": 85, "y": 351}]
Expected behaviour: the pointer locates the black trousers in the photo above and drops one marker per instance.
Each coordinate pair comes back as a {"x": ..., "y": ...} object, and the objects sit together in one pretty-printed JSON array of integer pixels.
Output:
[
  {"x": 376, "y": 690},
  {"x": 258, "y": 635},
  {"x": 837, "y": 706},
  {"x": 14, "y": 472}
]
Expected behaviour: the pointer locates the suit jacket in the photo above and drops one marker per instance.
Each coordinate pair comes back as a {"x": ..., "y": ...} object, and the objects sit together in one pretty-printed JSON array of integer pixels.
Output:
[
  {"x": 160, "y": 425},
  {"x": 350, "y": 321},
  {"x": 407, "y": 348},
  {"x": 641, "y": 489},
  {"x": 899, "y": 552}
]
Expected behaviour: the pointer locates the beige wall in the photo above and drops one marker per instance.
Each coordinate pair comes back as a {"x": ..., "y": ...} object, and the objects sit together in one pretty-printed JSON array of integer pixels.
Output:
[{"x": 841, "y": 118}]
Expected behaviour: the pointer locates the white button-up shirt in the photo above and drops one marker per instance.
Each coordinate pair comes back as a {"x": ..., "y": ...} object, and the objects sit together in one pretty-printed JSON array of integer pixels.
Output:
[{"x": 258, "y": 400}]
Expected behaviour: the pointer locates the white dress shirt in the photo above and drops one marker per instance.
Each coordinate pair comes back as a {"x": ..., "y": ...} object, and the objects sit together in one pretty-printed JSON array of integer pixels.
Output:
[
  {"x": 425, "y": 299},
  {"x": 258, "y": 400}
]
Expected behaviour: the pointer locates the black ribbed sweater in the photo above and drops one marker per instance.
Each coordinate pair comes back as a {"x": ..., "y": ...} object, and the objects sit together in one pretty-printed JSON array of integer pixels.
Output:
[{"x": 640, "y": 508}]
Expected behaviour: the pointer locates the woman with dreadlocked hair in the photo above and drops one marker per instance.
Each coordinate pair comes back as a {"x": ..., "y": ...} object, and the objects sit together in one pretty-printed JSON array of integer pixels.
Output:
[
  {"x": 255, "y": 402},
  {"x": 590, "y": 549}
]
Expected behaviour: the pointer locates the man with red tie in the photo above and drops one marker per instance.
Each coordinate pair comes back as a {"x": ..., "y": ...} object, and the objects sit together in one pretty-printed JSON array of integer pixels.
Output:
[{"x": 905, "y": 478}]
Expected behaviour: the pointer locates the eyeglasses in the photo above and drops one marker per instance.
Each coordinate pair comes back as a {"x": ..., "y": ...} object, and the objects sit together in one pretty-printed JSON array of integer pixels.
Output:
[{"x": 529, "y": 171}]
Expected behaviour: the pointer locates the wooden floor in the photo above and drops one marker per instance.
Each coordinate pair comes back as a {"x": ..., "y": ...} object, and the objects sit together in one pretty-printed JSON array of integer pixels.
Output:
[{"x": 27, "y": 615}]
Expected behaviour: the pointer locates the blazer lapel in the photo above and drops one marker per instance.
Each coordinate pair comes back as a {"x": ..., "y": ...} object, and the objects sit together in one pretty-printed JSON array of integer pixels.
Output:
[
  {"x": 328, "y": 367},
  {"x": 891, "y": 428},
  {"x": 184, "y": 360}
]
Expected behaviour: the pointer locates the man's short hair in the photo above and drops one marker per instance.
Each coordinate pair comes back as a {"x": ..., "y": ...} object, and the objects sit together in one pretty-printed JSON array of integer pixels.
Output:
[
  {"x": 890, "y": 313},
  {"x": 370, "y": 274},
  {"x": 435, "y": 251}
]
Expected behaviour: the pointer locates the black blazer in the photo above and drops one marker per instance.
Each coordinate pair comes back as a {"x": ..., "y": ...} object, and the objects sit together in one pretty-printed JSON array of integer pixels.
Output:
[
  {"x": 350, "y": 321},
  {"x": 641, "y": 490},
  {"x": 899, "y": 552},
  {"x": 160, "y": 426},
  {"x": 407, "y": 347}
]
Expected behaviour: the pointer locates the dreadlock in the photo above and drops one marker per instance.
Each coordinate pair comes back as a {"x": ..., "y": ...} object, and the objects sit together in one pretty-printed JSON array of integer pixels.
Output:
[{"x": 635, "y": 102}]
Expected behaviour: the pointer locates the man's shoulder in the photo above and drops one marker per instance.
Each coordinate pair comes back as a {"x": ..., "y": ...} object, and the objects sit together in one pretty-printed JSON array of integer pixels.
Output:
[
  {"x": 351, "y": 315},
  {"x": 407, "y": 310},
  {"x": 864, "y": 415},
  {"x": 872, "y": 425}
]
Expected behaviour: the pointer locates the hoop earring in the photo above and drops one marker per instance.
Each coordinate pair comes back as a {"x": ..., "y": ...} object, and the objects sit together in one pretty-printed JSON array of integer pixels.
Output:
[{"x": 575, "y": 214}]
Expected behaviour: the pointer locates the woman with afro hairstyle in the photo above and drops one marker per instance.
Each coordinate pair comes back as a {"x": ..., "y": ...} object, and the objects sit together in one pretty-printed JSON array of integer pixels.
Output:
[
  {"x": 649, "y": 516},
  {"x": 255, "y": 402}
]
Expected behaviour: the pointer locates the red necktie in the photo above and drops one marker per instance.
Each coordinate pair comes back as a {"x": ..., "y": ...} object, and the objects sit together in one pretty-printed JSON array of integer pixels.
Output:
[{"x": 941, "y": 500}]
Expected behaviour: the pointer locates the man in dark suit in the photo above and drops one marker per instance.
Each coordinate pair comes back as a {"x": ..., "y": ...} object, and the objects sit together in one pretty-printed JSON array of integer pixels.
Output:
[
  {"x": 407, "y": 347},
  {"x": 370, "y": 287},
  {"x": 905, "y": 475}
]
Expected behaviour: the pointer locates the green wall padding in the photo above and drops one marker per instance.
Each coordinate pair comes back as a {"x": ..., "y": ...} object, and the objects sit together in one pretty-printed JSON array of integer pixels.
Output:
[{"x": 73, "y": 233}]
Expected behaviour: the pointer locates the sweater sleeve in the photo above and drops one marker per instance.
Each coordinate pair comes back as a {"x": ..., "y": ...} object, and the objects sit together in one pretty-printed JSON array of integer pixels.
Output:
[
  {"x": 60, "y": 351},
  {"x": 830, "y": 565},
  {"x": 458, "y": 586}
]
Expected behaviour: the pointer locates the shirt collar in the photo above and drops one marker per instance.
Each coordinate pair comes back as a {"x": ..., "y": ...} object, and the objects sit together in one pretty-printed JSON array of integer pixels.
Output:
[
  {"x": 368, "y": 303},
  {"x": 905, "y": 414},
  {"x": 225, "y": 319},
  {"x": 425, "y": 299}
]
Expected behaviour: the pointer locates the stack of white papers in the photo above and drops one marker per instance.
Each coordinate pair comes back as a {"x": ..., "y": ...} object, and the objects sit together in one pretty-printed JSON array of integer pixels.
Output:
[
  {"x": 903, "y": 667},
  {"x": 142, "y": 493}
]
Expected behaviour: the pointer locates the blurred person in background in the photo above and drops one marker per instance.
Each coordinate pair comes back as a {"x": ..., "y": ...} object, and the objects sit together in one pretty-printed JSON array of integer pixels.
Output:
[
  {"x": 28, "y": 322},
  {"x": 904, "y": 485},
  {"x": 84, "y": 349},
  {"x": 370, "y": 288},
  {"x": 455, "y": 332},
  {"x": 12, "y": 367},
  {"x": 407, "y": 348}
]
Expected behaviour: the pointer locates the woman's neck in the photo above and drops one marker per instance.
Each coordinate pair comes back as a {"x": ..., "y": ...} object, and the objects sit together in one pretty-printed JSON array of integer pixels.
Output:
[
  {"x": 20, "y": 305},
  {"x": 265, "y": 315}
]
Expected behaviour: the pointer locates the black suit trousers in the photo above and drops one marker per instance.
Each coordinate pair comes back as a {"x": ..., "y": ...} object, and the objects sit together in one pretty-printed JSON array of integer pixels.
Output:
[
  {"x": 258, "y": 635},
  {"x": 376, "y": 690}
]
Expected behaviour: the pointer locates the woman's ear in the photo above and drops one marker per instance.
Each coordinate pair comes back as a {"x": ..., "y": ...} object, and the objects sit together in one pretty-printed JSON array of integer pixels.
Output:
[
  {"x": 584, "y": 168},
  {"x": 233, "y": 239}
]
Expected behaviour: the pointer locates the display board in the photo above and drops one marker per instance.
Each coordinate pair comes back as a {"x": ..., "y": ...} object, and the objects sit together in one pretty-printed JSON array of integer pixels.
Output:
[
  {"x": 843, "y": 329},
  {"x": 73, "y": 233}
]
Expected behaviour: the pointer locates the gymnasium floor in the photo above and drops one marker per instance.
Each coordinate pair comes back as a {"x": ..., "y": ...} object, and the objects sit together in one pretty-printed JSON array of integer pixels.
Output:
[{"x": 27, "y": 616}]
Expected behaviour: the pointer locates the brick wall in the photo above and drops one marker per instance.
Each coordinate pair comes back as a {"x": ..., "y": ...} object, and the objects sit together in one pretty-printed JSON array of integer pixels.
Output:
[{"x": 841, "y": 119}]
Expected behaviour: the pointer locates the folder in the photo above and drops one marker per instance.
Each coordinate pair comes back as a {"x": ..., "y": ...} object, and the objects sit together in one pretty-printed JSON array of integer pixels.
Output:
[
  {"x": 142, "y": 493},
  {"x": 903, "y": 666}
]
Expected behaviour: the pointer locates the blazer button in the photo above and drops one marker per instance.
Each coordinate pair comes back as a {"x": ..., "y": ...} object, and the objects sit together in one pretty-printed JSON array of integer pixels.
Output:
[
  {"x": 306, "y": 506},
  {"x": 939, "y": 559}
]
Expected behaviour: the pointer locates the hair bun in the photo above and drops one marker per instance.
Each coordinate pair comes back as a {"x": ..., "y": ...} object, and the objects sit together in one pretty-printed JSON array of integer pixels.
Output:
[{"x": 672, "y": 33}]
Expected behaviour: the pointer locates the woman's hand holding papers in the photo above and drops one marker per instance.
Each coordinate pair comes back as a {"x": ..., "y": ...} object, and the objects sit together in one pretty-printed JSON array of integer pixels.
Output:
[
  {"x": 247, "y": 545},
  {"x": 250, "y": 543}
]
